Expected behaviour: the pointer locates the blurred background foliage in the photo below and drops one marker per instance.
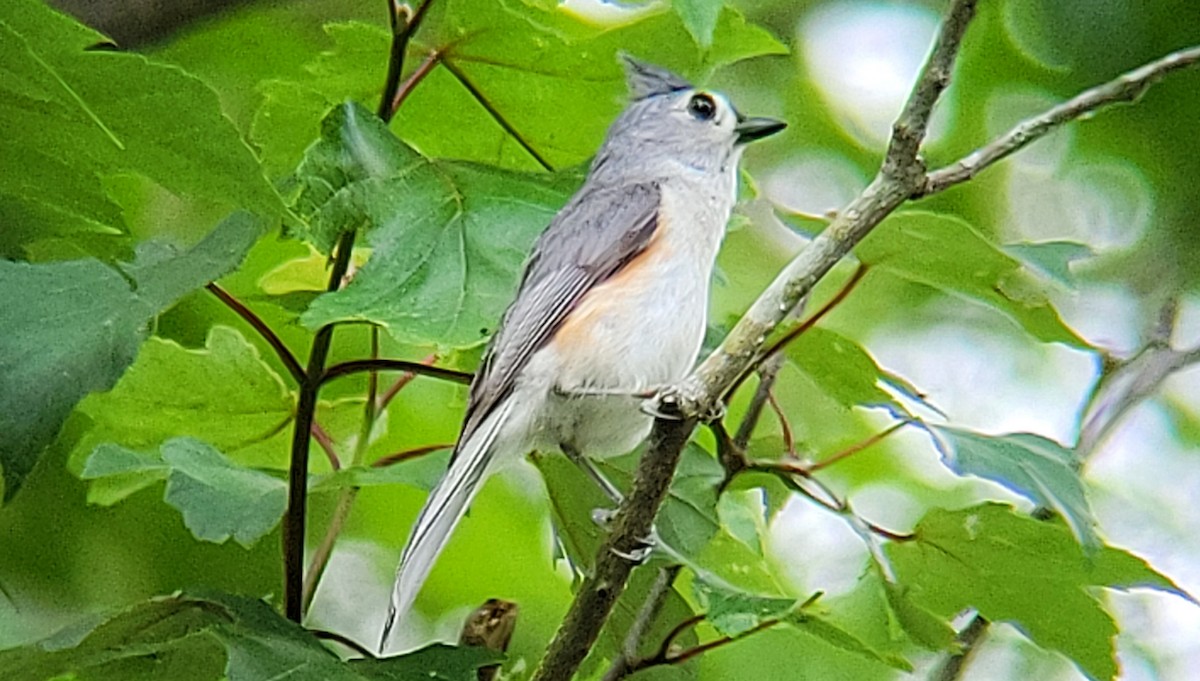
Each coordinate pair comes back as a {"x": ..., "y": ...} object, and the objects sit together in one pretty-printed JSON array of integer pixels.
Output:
[{"x": 1121, "y": 186}]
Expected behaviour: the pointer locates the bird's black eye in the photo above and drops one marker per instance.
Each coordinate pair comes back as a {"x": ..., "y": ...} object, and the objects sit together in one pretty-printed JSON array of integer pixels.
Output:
[{"x": 702, "y": 107}]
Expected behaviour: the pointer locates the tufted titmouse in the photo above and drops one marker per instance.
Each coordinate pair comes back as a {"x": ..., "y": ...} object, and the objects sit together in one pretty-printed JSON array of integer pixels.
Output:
[{"x": 613, "y": 302}]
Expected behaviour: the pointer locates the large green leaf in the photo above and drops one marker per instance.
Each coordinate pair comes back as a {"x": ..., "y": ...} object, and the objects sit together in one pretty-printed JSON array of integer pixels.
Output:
[
  {"x": 71, "y": 328},
  {"x": 1024, "y": 571},
  {"x": 699, "y": 17},
  {"x": 519, "y": 56},
  {"x": 447, "y": 239},
  {"x": 948, "y": 254},
  {"x": 224, "y": 394},
  {"x": 72, "y": 115},
  {"x": 214, "y": 637},
  {"x": 218, "y": 498},
  {"x": 1037, "y": 467}
]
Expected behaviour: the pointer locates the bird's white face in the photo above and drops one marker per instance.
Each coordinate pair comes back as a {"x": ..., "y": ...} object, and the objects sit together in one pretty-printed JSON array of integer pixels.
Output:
[{"x": 707, "y": 118}]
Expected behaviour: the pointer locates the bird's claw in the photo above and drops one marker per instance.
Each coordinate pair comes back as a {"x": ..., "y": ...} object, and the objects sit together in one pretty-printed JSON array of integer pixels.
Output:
[{"x": 640, "y": 553}]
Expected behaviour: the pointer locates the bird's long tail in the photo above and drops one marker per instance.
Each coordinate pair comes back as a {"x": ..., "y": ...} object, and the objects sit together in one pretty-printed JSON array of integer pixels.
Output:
[{"x": 443, "y": 509}]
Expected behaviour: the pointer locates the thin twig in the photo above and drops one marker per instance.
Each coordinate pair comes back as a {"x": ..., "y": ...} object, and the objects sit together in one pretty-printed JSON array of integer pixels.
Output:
[
  {"x": 264, "y": 330},
  {"x": 403, "y": 28},
  {"x": 623, "y": 665},
  {"x": 296, "y": 594},
  {"x": 768, "y": 371},
  {"x": 423, "y": 69},
  {"x": 1125, "y": 88},
  {"x": 324, "y": 550},
  {"x": 790, "y": 337},
  {"x": 403, "y": 380},
  {"x": 688, "y": 654},
  {"x": 854, "y": 448},
  {"x": 789, "y": 438},
  {"x": 382, "y": 364},
  {"x": 664, "y": 649},
  {"x": 495, "y": 113},
  {"x": 296, "y": 515},
  {"x": 322, "y": 437},
  {"x": 409, "y": 454}
]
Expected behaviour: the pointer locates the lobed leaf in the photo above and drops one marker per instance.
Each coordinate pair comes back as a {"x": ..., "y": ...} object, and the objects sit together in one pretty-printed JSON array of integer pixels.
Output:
[
  {"x": 1031, "y": 465},
  {"x": 71, "y": 328},
  {"x": 67, "y": 127},
  {"x": 950, "y": 255},
  {"x": 1027, "y": 572},
  {"x": 210, "y": 637}
]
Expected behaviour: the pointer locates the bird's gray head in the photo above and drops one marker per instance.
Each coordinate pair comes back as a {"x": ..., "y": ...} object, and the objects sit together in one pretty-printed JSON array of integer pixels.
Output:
[{"x": 671, "y": 123}]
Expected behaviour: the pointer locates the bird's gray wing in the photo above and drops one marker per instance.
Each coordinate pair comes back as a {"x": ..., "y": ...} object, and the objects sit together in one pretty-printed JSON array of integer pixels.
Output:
[{"x": 591, "y": 239}]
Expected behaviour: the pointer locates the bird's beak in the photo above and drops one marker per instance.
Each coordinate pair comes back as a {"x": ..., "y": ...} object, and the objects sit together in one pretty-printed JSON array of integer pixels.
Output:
[{"x": 750, "y": 129}]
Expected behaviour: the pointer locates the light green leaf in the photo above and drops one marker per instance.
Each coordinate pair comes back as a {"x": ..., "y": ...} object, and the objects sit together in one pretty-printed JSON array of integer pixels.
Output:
[
  {"x": 219, "y": 499},
  {"x": 68, "y": 126},
  {"x": 699, "y": 17},
  {"x": 845, "y": 370},
  {"x": 1031, "y": 465},
  {"x": 72, "y": 327},
  {"x": 224, "y": 394},
  {"x": 950, "y": 255},
  {"x": 1051, "y": 258},
  {"x": 737, "y": 614},
  {"x": 448, "y": 239},
  {"x": 1024, "y": 571}
]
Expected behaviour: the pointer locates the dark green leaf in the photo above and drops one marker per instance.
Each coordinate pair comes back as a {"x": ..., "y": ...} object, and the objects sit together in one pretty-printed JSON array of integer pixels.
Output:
[
  {"x": 1027, "y": 572},
  {"x": 68, "y": 126},
  {"x": 1037, "y": 467},
  {"x": 219, "y": 499},
  {"x": 950, "y": 255},
  {"x": 448, "y": 239},
  {"x": 72, "y": 327},
  {"x": 221, "y": 636}
]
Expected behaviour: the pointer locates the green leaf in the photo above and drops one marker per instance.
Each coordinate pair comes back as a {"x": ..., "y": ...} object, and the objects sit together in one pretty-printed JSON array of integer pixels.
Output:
[
  {"x": 448, "y": 239},
  {"x": 222, "y": 636},
  {"x": 1024, "y": 571},
  {"x": 845, "y": 370},
  {"x": 224, "y": 394},
  {"x": 699, "y": 17},
  {"x": 734, "y": 613},
  {"x": 521, "y": 58},
  {"x": 72, "y": 328},
  {"x": 68, "y": 127},
  {"x": 1031, "y": 465},
  {"x": 737, "y": 614},
  {"x": 950, "y": 255},
  {"x": 219, "y": 499},
  {"x": 1051, "y": 258}
]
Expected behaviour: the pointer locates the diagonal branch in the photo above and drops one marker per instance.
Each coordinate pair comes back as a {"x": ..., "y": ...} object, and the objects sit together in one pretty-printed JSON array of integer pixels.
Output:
[
  {"x": 268, "y": 334},
  {"x": 1126, "y": 88},
  {"x": 495, "y": 113}
]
